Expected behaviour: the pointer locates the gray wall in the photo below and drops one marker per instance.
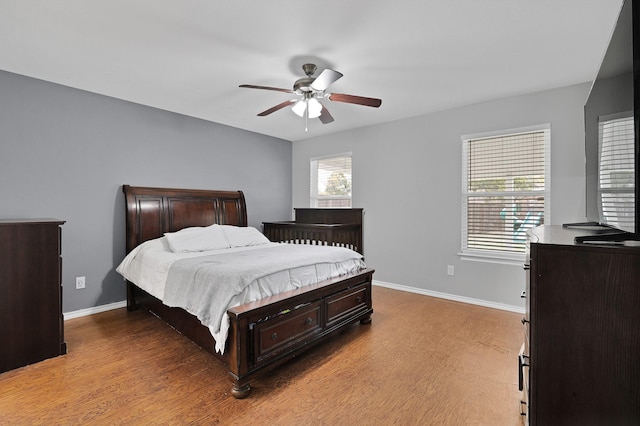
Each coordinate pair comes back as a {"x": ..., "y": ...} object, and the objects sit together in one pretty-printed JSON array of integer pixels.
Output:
[
  {"x": 407, "y": 177},
  {"x": 65, "y": 153}
]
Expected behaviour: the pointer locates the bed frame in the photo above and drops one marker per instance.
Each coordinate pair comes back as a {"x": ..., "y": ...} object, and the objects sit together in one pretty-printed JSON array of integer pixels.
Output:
[
  {"x": 331, "y": 227},
  {"x": 262, "y": 334}
]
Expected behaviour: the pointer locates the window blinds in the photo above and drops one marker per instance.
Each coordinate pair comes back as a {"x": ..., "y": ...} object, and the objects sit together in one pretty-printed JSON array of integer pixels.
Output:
[
  {"x": 616, "y": 171},
  {"x": 505, "y": 189}
]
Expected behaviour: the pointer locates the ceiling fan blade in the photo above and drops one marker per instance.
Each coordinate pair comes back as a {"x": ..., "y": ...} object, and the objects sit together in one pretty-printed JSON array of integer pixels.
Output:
[
  {"x": 277, "y": 89},
  {"x": 276, "y": 108},
  {"x": 325, "y": 79},
  {"x": 352, "y": 99},
  {"x": 325, "y": 117}
]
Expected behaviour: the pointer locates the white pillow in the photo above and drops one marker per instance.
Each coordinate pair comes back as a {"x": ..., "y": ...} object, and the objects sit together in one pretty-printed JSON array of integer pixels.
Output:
[
  {"x": 242, "y": 236},
  {"x": 197, "y": 239}
]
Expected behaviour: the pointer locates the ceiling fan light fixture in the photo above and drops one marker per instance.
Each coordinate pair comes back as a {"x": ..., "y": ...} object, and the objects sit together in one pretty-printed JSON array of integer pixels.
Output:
[
  {"x": 315, "y": 108},
  {"x": 299, "y": 108}
]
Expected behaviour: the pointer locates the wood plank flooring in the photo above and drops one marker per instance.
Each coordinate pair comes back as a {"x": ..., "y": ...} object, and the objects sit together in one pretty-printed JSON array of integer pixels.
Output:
[{"x": 422, "y": 361}]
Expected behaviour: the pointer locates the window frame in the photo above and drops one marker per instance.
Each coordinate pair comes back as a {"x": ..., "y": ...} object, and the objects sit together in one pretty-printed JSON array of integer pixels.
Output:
[
  {"x": 313, "y": 184},
  {"x": 501, "y": 256}
]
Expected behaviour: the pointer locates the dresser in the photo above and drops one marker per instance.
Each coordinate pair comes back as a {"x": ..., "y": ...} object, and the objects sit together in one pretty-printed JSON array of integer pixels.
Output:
[
  {"x": 580, "y": 359},
  {"x": 31, "y": 323}
]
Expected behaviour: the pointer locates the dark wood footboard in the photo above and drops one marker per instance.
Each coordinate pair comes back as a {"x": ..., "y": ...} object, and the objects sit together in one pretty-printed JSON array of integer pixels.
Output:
[
  {"x": 268, "y": 332},
  {"x": 271, "y": 331}
]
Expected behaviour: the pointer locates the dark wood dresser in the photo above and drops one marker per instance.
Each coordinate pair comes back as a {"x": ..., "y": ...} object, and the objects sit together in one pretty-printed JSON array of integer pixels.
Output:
[
  {"x": 31, "y": 323},
  {"x": 580, "y": 361}
]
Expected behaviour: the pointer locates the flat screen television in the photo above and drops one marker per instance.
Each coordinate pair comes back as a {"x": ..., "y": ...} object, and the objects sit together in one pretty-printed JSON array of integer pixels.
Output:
[{"x": 612, "y": 134}]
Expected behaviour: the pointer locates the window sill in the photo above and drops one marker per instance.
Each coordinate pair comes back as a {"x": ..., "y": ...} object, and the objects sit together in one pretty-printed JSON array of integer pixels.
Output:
[{"x": 516, "y": 259}]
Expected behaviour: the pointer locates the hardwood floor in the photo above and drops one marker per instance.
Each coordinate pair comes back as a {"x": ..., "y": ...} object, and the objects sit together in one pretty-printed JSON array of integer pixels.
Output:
[{"x": 459, "y": 367}]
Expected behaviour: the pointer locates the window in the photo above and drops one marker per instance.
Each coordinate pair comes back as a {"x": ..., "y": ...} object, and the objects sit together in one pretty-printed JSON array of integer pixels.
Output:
[
  {"x": 616, "y": 180},
  {"x": 331, "y": 181},
  {"x": 505, "y": 190}
]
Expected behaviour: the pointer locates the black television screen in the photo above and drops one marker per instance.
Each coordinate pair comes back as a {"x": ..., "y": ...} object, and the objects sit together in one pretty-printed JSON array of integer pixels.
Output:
[{"x": 611, "y": 142}]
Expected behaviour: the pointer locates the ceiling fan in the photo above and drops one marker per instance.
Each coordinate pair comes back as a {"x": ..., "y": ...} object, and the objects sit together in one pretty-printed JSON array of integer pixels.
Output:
[{"x": 310, "y": 90}]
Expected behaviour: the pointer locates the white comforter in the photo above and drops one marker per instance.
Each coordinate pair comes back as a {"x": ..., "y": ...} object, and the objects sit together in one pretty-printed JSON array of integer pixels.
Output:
[{"x": 270, "y": 269}]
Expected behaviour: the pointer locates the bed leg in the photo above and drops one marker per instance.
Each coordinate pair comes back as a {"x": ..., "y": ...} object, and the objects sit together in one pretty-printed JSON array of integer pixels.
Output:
[
  {"x": 131, "y": 299},
  {"x": 240, "y": 392}
]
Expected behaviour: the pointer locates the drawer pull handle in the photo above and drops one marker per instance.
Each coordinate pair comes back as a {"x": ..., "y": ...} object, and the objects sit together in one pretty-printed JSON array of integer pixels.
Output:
[
  {"x": 523, "y": 408},
  {"x": 523, "y": 361},
  {"x": 359, "y": 299},
  {"x": 274, "y": 336},
  {"x": 308, "y": 321}
]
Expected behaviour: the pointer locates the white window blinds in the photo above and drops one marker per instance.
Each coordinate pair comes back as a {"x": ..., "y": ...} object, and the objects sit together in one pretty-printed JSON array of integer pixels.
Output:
[
  {"x": 505, "y": 189},
  {"x": 616, "y": 180},
  {"x": 331, "y": 181}
]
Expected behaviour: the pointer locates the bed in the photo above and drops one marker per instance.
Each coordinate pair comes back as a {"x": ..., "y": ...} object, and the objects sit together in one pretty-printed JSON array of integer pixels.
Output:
[{"x": 261, "y": 334}]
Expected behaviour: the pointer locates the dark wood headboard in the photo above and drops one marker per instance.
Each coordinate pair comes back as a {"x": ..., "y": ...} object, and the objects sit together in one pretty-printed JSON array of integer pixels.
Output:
[{"x": 153, "y": 211}]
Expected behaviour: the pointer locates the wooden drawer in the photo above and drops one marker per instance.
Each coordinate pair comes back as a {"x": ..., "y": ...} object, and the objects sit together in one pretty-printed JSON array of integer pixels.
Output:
[
  {"x": 346, "y": 303},
  {"x": 279, "y": 333}
]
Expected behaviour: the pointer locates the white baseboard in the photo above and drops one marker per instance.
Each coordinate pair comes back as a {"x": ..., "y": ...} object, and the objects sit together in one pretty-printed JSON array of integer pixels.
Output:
[
  {"x": 480, "y": 302},
  {"x": 454, "y": 297},
  {"x": 94, "y": 310}
]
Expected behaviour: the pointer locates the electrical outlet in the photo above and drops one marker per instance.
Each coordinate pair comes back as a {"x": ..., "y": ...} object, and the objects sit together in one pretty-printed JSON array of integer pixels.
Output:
[
  {"x": 450, "y": 270},
  {"x": 79, "y": 282}
]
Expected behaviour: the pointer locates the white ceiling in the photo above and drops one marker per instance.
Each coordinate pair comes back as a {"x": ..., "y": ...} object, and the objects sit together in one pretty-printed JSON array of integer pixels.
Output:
[{"x": 418, "y": 56}]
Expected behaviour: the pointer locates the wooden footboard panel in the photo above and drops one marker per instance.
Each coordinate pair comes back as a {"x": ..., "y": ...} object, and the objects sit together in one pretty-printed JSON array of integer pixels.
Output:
[
  {"x": 268, "y": 332},
  {"x": 278, "y": 328}
]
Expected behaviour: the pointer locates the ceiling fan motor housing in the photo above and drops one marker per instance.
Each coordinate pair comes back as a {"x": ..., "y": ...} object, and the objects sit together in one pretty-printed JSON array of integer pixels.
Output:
[{"x": 304, "y": 84}]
